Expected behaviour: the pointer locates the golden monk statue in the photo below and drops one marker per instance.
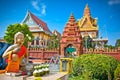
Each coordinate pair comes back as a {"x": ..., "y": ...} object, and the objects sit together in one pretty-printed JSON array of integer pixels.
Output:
[{"x": 15, "y": 53}]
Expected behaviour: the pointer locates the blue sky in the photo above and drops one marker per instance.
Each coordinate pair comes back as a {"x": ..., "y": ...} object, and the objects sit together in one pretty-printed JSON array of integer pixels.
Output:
[{"x": 57, "y": 12}]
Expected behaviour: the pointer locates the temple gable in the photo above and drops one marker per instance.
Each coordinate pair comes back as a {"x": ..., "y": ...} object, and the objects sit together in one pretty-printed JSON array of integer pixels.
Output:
[
  {"x": 87, "y": 24},
  {"x": 29, "y": 21},
  {"x": 39, "y": 30}
]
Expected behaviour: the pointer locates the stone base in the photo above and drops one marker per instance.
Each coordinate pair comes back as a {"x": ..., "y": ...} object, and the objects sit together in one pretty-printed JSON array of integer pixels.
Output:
[{"x": 51, "y": 76}]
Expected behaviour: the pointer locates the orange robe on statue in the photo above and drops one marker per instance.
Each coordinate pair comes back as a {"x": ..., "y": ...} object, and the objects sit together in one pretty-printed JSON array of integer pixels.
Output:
[{"x": 13, "y": 66}]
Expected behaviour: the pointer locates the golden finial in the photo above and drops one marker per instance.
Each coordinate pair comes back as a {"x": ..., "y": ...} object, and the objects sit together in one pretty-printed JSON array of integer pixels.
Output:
[{"x": 87, "y": 11}]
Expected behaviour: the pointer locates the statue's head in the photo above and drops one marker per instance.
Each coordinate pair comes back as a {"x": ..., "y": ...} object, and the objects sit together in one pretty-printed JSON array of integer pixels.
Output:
[{"x": 19, "y": 38}]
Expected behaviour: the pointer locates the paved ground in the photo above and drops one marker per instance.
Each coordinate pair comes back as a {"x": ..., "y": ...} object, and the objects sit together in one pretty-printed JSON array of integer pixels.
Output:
[{"x": 51, "y": 76}]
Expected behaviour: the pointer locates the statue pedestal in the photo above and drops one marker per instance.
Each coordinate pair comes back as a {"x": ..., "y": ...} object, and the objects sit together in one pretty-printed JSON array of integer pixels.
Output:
[{"x": 51, "y": 76}]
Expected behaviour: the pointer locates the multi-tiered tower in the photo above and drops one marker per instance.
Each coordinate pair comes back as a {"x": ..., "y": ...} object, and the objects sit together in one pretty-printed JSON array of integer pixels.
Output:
[{"x": 71, "y": 37}]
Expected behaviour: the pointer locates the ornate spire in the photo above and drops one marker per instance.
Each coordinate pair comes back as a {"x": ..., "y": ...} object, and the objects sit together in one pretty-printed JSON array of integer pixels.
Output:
[
  {"x": 71, "y": 19},
  {"x": 87, "y": 11},
  {"x": 71, "y": 14},
  {"x": 71, "y": 36}
]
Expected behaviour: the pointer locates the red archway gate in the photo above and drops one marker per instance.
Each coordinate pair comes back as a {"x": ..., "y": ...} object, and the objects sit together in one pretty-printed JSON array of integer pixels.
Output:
[{"x": 71, "y": 35}]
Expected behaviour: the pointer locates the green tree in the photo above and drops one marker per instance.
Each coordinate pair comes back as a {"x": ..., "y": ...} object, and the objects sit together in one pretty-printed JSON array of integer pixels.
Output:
[
  {"x": 54, "y": 42},
  {"x": 94, "y": 66},
  {"x": 117, "y": 44},
  {"x": 13, "y": 29},
  {"x": 109, "y": 46},
  {"x": 87, "y": 42}
]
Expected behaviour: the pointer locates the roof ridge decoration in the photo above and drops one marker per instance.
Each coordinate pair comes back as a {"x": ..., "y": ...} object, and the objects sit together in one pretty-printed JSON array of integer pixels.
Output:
[
  {"x": 87, "y": 17},
  {"x": 72, "y": 18},
  {"x": 87, "y": 11}
]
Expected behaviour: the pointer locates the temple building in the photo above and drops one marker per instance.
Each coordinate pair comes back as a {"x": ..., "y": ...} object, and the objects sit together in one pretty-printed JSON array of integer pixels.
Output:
[
  {"x": 87, "y": 24},
  {"x": 88, "y": 27},
  {"x": 39, "y": 30},
  {"x": 71, "y": 40}
]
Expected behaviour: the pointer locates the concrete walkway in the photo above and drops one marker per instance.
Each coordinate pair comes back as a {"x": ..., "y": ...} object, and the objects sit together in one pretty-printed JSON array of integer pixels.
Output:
[{"x": 51, "y": 76}]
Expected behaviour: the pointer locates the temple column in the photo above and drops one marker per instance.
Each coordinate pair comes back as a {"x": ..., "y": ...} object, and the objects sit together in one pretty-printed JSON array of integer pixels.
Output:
[
  {"x": 45, "y": 42},
  {"x": 102, "y": 43},
  {"x": 34, "y": 42},
  {"x": 96, "y": 46}
]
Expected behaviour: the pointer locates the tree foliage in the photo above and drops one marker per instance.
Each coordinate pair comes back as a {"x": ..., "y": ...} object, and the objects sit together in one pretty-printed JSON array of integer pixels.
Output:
[
  {"x": 13, "y": 29},
  {"x": 88, "y": 43},
  {"x": 54, "y": 42},
  {"x": 94, "y": 66},
  {"x": 117, "y": 44},
  {"x": 76, "y": 78},
  {"x": 109, "y": 46}
]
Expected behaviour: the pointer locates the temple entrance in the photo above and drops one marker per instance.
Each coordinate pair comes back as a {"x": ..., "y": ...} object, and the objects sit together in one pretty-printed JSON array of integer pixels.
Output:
[
  {"x": 71, "y": 40},
  {"x": 70, "y": 51}
]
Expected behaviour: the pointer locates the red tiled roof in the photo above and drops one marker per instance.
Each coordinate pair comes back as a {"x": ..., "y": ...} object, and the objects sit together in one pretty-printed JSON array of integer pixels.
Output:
[{"x": 40, "y": 22}]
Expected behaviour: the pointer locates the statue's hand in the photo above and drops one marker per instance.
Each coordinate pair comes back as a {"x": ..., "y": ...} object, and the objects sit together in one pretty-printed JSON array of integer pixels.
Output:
[{"x": 16, "y": 50}]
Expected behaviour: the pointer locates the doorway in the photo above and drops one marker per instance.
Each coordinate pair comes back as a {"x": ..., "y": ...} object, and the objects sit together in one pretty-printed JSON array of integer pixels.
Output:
[{"x": 70, "y": 51}]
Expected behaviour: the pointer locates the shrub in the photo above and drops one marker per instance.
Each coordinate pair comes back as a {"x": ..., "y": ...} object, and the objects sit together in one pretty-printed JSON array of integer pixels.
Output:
[
  {"x": 117, "y": 73},
  {"x": 76, "y": 78},
  {"x": 94, "y": 66}
]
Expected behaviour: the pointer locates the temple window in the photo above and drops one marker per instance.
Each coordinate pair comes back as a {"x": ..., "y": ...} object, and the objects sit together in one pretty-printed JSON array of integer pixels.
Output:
[
  {"x": 48, "y": 41},
  {"x": 37, "y": 40},
  {"x": 32, "y": 42},
  {"x": 44, "y": 42}
]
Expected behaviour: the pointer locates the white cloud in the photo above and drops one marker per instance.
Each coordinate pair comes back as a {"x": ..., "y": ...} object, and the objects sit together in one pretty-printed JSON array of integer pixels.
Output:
[
  {"x": 35, "y": 5},
  {"x": 113, "y": 2},
  {"x": 43, "y": 11},
  {"x": 39, "y": 6}
]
